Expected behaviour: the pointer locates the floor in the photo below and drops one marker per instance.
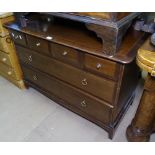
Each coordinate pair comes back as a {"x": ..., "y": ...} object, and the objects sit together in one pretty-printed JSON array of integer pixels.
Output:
[{"x": 27, "y": 115}]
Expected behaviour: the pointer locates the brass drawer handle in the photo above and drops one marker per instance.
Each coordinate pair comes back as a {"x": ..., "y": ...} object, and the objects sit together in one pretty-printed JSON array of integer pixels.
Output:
[
  {"x": 16, "y": 37},
  {"x": 8, "y": 40},
  {"x": 84, "y": 82},
  {"x": 12, "y": 34},
  {"x": 4, "y": 59},
  {"x": 30, "y": 58},
  {"x": 84, "y": 104},
  {"x": 38, "y": 44},
  {"x": 64, "y": 53},
  {"x": 98, "y": 66},
  {"x": 9, "y": 72},
  {"x": 20, "y": 37},
  {"x": 35, "y": 78}
]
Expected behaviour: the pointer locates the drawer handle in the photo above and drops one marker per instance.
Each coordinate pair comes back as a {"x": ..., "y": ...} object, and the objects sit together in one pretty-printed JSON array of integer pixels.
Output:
[
  {"x": 4, "y": 59},
  {"x": 35, "y": 78},
  {"x": 84, "y": 82},
  {"x": 38, "y": 44},
  {"x": 9, "y": 72},
  {"x": 84, "y": 104},
  {"x": 98, "y": 66},
  {"x": 12, "y": 34},
  {"x": 30, "y": 58},
  {"x": 20, "y": 37},
  {"x": 16, "y": 37},
  {"x": 8, "y": 40},
  {"x": 64, "y": 53}
]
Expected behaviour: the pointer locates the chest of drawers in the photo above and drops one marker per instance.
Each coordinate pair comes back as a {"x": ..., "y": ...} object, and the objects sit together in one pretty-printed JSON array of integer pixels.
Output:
[
  {"x": 9, "y": 65},
  {"x": 76, "y": 73}
]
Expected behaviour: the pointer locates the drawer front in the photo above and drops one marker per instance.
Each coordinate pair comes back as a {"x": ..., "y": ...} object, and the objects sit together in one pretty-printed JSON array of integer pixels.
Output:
[
  {"x": 101, "y": 66},
  {"x": 38, "y": 44},
  {"x": 72, "y": 96},
  {"x": 6, "y": 44},
  {"x": 5, "y": 58},
  {"x": 96, "y": 86},
  {"x": 18, "y": 37},
  {"x": 8, "y": 70},
  {"x": 65, "y": 54}
]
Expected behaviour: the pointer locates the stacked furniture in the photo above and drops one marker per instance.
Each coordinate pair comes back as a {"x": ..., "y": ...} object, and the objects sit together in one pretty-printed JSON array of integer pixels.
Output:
[
  {"x": 9, "y": 65},
  {"x": 62, "y": 57}
]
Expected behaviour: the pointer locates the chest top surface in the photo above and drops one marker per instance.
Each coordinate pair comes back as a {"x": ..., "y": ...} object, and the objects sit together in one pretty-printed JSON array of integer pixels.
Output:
[{"x": 76, "y": 36}]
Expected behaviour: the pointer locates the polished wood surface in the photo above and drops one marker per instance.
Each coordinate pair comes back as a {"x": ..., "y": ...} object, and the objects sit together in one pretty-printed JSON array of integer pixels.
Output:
[
  {"x": 39, "y": 45},
  {"x": 69, "y": 94},
  {"x": 112, "y": 16},
  {"x": 5, "y": 58},
  {"x": 9, "y": 65},
  {"x": 65, "y": 54},
  {"x": 101, "y": 66},
  {"x": 70, "y": 67},
  {"x": 19, "y": 38},
  {"x": 146, "y": 57},
  {"x": 110, "y": 27},
  {"x": 142, "y": 125},
  {"x": 4, "y": 18},
  {"x": 81, "y": 79},
  {"x": 8, "y": 71},
  {"x": 79, "y": 36}
]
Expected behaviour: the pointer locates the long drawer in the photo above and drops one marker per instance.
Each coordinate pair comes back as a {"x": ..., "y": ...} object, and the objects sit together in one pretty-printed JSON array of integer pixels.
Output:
[
  {"x": 72, "y": 96},
  {"x": 90, "y": 83},
  {"x": 8, "y": 71}
]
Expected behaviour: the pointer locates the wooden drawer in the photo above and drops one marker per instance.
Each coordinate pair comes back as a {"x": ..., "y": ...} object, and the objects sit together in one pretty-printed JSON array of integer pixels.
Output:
[
  {"x": 90, "y": 83},
  {"x": 18, "y": 37},
  {"x": 101, "y": 66},
  {"x": 69, "y": 94},
  {"x": 65, "y": 54},
  {"x": 6, "y": 44},
  {"x": 5, "y": 58},
  {"x": 8, "y": 71},
  {"x": 38, "y": 44}
]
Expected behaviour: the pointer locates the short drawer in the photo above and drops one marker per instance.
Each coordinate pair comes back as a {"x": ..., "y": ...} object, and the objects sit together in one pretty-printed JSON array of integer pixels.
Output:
[
  {"x": 8, "y": 71},
  {"x": 18, "y": 37},
  {"x": 69, "y": 94},
  {"x": 38, "y": 44},
  {"x": 65, "y": 54},
  {"x": 5, "y": 58},
  {"x": 90, "y": 83},
  {"x": 101, "y": 66}
]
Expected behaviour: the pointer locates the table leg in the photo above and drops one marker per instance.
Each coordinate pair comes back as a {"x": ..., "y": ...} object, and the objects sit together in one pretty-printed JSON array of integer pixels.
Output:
[{"x": 143, "y": 123}]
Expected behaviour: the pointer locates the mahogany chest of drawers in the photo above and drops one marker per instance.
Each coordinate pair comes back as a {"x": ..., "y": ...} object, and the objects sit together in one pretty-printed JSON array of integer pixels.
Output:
[{"x": 66, "y": 63}]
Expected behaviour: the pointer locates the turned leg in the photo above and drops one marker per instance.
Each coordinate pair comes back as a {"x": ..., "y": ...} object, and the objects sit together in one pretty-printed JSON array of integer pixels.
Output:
[{"x": 143, "y": 123}]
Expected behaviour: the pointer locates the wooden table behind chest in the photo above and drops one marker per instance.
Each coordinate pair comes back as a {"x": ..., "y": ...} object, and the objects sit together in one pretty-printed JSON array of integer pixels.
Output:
[{"x": 65, "y": 61}]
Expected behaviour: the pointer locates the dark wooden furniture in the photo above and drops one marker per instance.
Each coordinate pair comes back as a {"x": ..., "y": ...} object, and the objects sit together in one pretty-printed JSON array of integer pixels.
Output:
[
  {"x": 109, "y": 27},
  {"x": 143, "y": 124},
  {"x": 65, "y": 61}
]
